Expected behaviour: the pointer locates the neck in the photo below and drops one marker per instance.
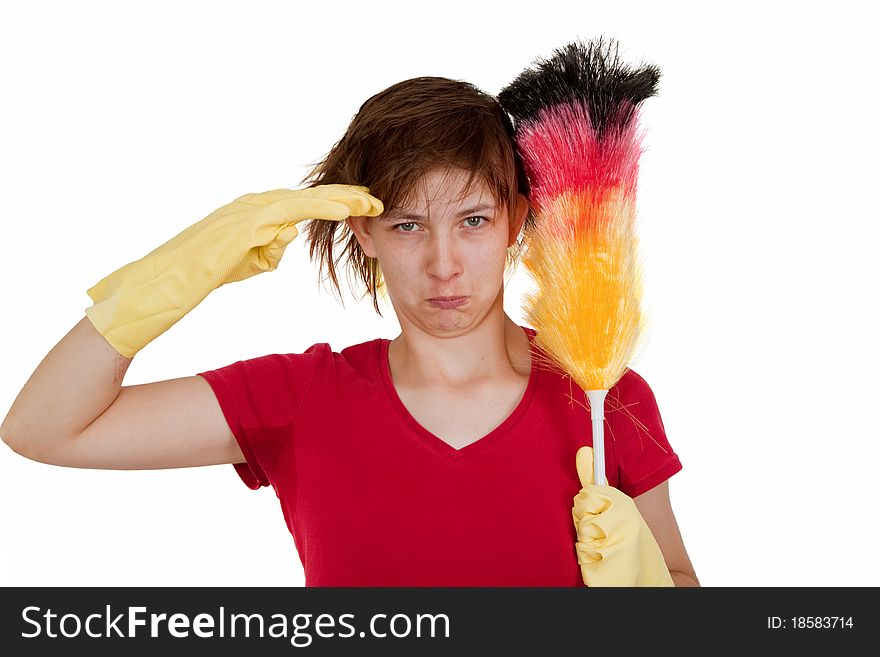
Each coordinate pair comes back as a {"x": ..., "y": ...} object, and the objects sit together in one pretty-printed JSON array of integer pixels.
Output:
[{"x": 496, "y": 347}]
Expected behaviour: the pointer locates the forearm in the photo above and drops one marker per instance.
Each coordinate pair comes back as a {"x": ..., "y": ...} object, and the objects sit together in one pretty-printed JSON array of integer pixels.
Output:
[
  {"x": 683, "y": 579},
  {"x": 76, "y": 382}
]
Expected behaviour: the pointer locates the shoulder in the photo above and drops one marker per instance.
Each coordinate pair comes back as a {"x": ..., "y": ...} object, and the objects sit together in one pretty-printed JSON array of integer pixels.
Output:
[
  {"x": 361, "y": 349},
  {"x": 269, "y": 375},
  {"x": 633, "y": 384},
  {"x": 320, "y": 357},
  {"x": 317, "y": 355},
  {"x": 632, "y": 397},
  {"x": 279, "y": 362}
]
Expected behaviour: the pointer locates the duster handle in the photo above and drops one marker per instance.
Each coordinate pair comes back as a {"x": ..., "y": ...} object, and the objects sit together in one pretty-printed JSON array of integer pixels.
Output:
[{"x": 597, "y": 413}]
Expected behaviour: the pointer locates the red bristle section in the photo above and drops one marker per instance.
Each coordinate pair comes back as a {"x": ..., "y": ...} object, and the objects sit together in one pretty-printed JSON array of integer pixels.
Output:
[{"x": 561, "y": 154}]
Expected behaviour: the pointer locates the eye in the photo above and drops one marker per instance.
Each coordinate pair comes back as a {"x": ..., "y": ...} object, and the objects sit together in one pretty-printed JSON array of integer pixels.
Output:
[
  {"x": 474, "y": 222},
  {"x": 472, "y": 225}
]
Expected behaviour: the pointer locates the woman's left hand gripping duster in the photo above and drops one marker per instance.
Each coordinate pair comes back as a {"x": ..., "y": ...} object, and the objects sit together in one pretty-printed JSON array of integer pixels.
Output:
[{"x": 614, "y": 545}]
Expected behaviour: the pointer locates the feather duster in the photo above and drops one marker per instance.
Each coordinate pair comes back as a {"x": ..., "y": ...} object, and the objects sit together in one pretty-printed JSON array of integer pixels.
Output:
[{"x": 575, "y": 117}]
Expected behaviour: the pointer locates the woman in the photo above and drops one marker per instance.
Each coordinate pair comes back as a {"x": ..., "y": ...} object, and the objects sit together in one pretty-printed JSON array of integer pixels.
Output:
[{"x": 442, "y": 457}]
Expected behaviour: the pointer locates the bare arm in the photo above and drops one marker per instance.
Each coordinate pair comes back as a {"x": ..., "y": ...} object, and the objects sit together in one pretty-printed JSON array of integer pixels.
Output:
[
  {"x": 74, "y": 411},
  {"x": 656, "y": 509},
  {"x": 76, "y": 382}
]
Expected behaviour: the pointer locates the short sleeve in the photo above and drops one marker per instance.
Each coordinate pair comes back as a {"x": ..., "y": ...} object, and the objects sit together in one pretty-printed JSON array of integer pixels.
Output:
[
  {"x": 644, "y": 456},
  {"x": 260, "y": 399}
]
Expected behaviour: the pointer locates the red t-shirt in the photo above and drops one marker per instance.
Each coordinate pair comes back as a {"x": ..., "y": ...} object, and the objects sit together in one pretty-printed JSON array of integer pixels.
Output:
[{"x": 372, "y": 498}]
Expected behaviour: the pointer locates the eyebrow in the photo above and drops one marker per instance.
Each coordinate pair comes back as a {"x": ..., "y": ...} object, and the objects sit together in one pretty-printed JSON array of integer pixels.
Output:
[{"x": 398, "y": 214}]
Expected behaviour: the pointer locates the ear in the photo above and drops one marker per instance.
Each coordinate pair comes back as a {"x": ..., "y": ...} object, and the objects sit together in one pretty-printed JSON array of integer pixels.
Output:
[
  {"x": 362, "y": 228},
  {"x": 516, "y": 221}
]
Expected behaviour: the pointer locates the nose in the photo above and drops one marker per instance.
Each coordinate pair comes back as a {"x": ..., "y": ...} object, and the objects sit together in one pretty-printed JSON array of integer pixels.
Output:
[{"x": 444, "y": 262}]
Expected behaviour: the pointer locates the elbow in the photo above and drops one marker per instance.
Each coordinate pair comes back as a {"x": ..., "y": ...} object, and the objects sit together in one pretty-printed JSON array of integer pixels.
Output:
[
  {"x": 48, "y": 452},
  {"x": 22, "y": 447},
  {"x": 6, "y": 437},
  {"x": 18, "y": 446}
]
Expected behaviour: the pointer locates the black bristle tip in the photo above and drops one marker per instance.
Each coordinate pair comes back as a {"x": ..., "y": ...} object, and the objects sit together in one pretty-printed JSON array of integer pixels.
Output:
[{"x": 590, "y": 73}]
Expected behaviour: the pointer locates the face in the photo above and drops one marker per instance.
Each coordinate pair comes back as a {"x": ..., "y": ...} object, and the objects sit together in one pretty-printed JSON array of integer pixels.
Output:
[{"x": 443, "y": 252}]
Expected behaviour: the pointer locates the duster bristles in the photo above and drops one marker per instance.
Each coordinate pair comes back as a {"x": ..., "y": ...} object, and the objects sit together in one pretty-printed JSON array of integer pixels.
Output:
[
  {"x": 575, "y": 130},
  {"x": 589, "y": 287}
]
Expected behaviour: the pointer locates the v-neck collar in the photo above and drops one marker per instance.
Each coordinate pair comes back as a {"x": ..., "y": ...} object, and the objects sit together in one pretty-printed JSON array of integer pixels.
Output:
[{"x": 436, "y": 443}]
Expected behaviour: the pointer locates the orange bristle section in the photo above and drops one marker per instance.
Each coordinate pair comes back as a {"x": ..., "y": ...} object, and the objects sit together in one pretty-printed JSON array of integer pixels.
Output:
[{"x": 586, "y": 309}]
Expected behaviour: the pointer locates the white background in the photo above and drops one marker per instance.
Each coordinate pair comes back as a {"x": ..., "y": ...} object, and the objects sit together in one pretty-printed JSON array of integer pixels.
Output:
[{"x": 122, "y": 124}]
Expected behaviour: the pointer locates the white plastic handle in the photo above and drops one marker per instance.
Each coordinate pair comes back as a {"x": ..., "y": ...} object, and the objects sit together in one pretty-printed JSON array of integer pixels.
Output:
[{"x": 597, "y": 414}]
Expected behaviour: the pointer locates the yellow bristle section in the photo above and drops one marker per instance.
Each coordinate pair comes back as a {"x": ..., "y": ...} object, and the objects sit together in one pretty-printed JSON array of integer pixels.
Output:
[{"x": 586, "y": 310}]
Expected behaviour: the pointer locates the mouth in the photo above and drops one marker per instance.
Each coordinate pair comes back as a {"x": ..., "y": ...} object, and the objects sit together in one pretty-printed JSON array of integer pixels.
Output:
[{"x": 447, "y": 302}]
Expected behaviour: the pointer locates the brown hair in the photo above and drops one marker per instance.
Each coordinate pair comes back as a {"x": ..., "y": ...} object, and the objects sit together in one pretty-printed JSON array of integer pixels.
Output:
[{"x": 397, "y": 136}]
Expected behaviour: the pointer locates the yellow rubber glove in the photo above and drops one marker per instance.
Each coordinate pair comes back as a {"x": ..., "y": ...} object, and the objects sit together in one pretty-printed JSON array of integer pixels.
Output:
[
  {"x": 614, "y": 545},
  {"x": 143, "y": 299}
]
